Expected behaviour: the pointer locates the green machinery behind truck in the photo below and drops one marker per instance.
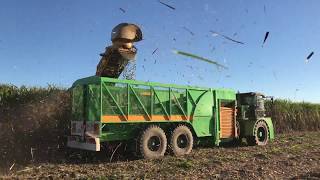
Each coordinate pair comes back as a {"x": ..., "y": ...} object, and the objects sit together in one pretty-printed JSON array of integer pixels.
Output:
[{"x": 157, "y": 116}]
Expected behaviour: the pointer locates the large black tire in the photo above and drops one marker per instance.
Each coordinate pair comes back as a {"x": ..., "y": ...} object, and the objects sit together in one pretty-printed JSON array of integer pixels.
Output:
[
  {"x": 153, "y": 143},
  {"x": 181, "y": 141},
  {"x": 261, "y": 134}
]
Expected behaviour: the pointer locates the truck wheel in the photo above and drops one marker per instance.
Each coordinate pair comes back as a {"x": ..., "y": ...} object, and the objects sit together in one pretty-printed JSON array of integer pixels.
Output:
[
  {"x": 153, "y": 143},
  {"x": 261, "y": 134},
  {"x": 181, "y": 141}
]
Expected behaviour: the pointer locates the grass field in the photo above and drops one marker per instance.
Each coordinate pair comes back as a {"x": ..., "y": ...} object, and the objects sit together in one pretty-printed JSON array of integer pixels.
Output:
[
  {"x": 294, "y": 116},
  {"x": 34, "y": 122}
]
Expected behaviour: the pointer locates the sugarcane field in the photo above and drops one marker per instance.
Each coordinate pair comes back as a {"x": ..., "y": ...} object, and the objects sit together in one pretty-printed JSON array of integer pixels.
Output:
[{"x": 159, "y": 90}]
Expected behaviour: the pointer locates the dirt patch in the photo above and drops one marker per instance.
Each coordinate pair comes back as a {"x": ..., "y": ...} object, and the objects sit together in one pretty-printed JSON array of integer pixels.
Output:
[{"x": 294, "y": 155}]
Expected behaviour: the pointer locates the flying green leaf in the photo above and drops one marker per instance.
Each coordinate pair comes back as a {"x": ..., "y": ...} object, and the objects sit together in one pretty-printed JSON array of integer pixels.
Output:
[{"x": 199, "y": 58}]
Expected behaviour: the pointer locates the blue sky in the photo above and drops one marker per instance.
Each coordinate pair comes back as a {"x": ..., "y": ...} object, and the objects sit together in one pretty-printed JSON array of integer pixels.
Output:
[{"x": 59, "y": 41}]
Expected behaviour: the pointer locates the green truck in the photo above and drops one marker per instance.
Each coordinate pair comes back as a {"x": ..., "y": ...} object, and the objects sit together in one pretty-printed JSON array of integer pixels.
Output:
[{"x": 163, "y": 117}]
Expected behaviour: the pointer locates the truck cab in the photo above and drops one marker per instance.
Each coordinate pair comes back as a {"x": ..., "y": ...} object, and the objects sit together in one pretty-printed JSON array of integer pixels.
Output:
[
  {"x": 251, "y": 105},
  {"x": 251, "y": 118}
]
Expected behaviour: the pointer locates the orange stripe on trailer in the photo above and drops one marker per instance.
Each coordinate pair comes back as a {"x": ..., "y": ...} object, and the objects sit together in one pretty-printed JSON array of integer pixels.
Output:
[{"x": 139, "y": 118}]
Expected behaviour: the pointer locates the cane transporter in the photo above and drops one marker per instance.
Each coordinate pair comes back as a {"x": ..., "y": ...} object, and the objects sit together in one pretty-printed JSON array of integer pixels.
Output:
[{"x": 160, "y": 117}]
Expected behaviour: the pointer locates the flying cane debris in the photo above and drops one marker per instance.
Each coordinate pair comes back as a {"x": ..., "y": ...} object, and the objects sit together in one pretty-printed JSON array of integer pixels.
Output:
[
  {"x": 171, "y": 7},
  {"x": 226, "y": 37},
  {"x": 122, "y": 10},
  {"x": 154, "y": 51},
  {"x": 199, "y": 58},
  {"x": 309, "y": 56},
  {"x": 265, "y": 38},
  {"x": 185, "y": 28}
]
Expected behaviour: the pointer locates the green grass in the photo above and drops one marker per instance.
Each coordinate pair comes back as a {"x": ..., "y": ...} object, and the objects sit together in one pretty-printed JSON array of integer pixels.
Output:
[
  {"x": 294, "y": 116},
  {"x": 11, "y": 95}
]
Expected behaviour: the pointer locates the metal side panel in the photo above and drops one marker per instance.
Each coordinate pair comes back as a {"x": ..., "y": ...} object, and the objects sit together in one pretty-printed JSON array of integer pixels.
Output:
[{"x": 203, "y": 117}]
